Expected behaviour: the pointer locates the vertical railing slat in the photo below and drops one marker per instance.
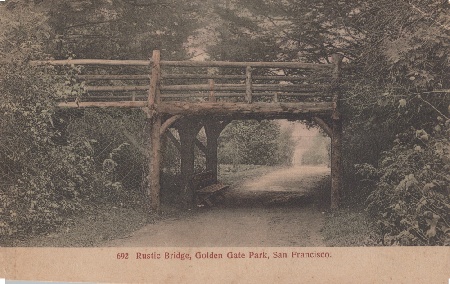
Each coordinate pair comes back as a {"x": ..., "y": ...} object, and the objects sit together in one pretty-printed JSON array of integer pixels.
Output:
[
  {"x": 248, "y": 85},
  {"x": 153, "y": 96}
]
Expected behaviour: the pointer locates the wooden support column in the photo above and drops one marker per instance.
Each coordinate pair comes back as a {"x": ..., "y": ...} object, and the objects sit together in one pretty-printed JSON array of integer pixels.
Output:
[
  {"x": 188, "y": 130},
  {"x": 177, "y": 144},
  {"x": 336, "y": 138},
  {"x": 155, "y": 136},
  {"x": 213, "y": 128},
  {"x": 155, "y": 164}
]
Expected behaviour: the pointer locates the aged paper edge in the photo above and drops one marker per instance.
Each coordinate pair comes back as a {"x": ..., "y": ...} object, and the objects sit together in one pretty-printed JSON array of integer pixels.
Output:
[{"x": 302, "y": 265}]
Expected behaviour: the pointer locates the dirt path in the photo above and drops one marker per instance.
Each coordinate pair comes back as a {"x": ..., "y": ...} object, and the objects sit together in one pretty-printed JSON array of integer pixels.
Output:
[{"x": 277, "y": 209}]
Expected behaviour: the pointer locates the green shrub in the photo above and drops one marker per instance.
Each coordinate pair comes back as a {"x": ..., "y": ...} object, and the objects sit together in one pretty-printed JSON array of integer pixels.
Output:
[
  {"x": 411, "y": 202},
  {"x": 43, "y": 180}
]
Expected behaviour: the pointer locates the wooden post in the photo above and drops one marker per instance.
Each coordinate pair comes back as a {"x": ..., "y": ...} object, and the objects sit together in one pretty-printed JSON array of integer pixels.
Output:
[
  {"x": 276, "y": 97},
  {"x": 213, "y": 128},
  {"x": 187, "y": 130},
  {"x": 322, "y": 124},
  {"x": 153, "y": 96},
  {"x": 155, "y": 164},
  {"x": 155, "y": 135},
  {"x": 248, "y": 84},
  {"x": 211, "y": 97},
  {"x": 336, "y": 139},
  {"x": 211, "y": 72}
]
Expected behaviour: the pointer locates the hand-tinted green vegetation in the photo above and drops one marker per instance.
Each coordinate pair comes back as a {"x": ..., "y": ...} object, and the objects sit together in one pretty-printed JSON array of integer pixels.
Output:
[{"x": 54, "y": 163}]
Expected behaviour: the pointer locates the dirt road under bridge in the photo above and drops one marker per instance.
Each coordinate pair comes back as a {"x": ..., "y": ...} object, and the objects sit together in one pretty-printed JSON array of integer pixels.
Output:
[{"x": 280, "y": 208}]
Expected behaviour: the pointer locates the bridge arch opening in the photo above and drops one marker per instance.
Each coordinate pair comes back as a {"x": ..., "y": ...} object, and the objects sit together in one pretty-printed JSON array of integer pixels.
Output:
[{"x": 302, "y": 177}]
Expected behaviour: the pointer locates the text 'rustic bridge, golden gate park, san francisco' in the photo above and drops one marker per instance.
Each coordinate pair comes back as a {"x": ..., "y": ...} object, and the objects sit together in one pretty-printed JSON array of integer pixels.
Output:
[{"x": 189, "y": 95}]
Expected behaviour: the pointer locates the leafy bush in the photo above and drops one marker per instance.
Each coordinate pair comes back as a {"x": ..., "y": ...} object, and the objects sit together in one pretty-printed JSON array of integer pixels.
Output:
[
  {"x": 120, "y": 136},
  {"x": 41, "y": 197},
  {"x": 43, "y": 180},
  {"x": 411, "y": 202}
]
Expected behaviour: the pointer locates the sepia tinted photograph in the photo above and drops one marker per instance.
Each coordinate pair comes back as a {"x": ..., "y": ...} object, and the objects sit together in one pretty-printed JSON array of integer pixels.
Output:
[{"x": 224, "y": 124}]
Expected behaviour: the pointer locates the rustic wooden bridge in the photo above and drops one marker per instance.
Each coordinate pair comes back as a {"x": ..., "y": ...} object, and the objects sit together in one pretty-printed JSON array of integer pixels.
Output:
[{"x": 189, "y": 95}]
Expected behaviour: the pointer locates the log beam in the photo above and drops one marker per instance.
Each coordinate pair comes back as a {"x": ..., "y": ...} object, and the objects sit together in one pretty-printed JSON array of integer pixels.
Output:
[
  {"x": 169, "y": 122},
  {"x": 111, "y": 77},
  {"x": 174, "y": 140},
  {"x": 200, "y": 146},
  {"x": 126, "y": 104},
  {"x": 228, "y": 64},
  {"x": 231, "y": 77},
  {"x": 224, "y": 87},
  {"x": 106, "y": 62},
  {"x": 294, "y": 65},
  {"x": 322, "y": 124},
  {"x": 227, "y": 108}
]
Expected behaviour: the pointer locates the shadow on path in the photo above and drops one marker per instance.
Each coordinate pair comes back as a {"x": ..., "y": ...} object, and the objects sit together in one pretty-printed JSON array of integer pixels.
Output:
[{"x": 276, "y": 209}]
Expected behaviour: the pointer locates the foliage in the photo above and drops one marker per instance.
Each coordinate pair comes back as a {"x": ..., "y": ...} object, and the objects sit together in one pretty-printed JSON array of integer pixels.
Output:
[
  {"x": 255, "y": 143},
  {"x": 57, "y": 162},
  {"x": 120, "y": 136},
  {"x": 119, "y": 29},
  {"x": 42, "y": 181},
  {"x": 396, "y": 58},
  {"x": 411, "y": 202}
]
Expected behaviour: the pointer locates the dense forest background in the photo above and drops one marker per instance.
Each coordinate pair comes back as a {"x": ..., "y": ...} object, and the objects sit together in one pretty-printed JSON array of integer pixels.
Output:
[{"x": 54, "y": 163}]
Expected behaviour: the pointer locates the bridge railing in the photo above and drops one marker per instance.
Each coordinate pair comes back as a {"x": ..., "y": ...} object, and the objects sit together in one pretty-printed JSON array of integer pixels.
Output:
[{"x": 131, "y": 80}]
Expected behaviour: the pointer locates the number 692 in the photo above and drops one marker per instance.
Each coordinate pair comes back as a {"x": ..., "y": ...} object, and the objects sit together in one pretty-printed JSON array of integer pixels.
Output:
[{"x": 122, "y": 255}]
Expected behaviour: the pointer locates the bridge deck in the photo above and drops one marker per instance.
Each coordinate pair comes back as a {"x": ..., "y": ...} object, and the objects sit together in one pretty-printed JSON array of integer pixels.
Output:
[{"x": 213, "y": 88}]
